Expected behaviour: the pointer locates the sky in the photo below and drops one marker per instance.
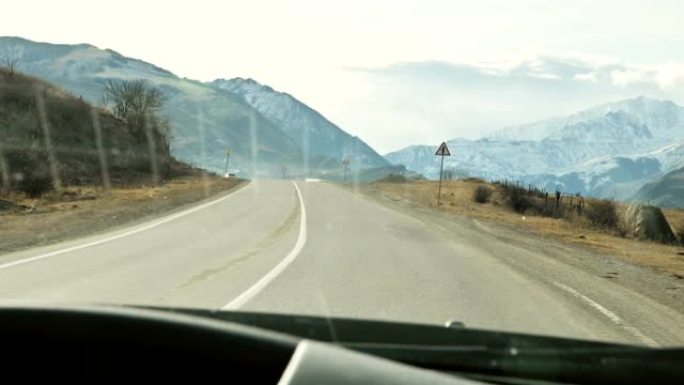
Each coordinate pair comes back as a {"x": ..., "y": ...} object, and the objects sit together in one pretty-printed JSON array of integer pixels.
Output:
[{"x": 395, "y": 72}]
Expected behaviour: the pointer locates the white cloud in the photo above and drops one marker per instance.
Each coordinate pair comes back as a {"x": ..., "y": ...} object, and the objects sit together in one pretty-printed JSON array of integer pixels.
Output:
[
  {"x": 630, "y": 76},
  {"x": 586, "y": 77},
  {"x": 670, "y": 75},
  {"x": 664, "y": 76},
  {"x": 546, "y": 76}
]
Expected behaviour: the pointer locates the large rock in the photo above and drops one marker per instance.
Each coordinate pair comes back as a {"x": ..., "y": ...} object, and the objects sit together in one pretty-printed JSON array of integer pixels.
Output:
[{"x": 648, "y": 223}]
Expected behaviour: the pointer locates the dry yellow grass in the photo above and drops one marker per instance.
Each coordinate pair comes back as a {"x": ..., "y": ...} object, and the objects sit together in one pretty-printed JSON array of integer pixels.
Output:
[
  {"x": 78, "y": 211},
  {"x": 676, "y": 219},
  {"x": 457, "y": 198}
]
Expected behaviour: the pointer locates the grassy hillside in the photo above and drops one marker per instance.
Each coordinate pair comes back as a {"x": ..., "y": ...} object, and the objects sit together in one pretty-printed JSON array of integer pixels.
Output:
[{"x": 49, "y": 138}]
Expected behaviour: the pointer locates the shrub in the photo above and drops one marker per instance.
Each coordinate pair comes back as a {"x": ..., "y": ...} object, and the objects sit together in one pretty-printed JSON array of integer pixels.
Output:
[
  {"x": 603, "y": 213},
  {"x": 517, "y": 199},
  {"x": 35, "y": 186},
  {"x": 473, "y": 180},
  {"x": 482, "y": 194},
  {"x": 30, "y": 168},
  {"x": 394, "y": 178}
]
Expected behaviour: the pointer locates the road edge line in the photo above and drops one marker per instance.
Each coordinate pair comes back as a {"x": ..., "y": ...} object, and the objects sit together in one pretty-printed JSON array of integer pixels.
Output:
[
  {"x": 136, "y": 230},
  {"x": 250, "y": 293},
  {"x": 609, "y": 314}
]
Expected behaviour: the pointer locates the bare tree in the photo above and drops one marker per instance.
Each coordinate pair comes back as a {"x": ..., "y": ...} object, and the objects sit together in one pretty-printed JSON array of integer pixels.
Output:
[
  {"x": 10, "y": 62},
  {"x": 133, "y": 100},
  {"x": 117, "y": 98},
  {"x": 140, "y": 104}
]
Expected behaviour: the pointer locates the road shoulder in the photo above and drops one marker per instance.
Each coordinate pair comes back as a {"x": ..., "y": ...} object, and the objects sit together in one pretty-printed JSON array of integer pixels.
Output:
[
  {"x": 658, "y": 286},
  {"x": 80, "y": 212}
]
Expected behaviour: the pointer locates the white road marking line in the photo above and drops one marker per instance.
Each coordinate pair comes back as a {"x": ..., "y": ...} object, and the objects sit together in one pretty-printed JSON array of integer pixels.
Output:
[
  {"x": 609, "y": 314},
  {"x": 121, "y": 235},
  {"x": 612, "y": 316},
  {"x": 250, "y": 293},
  {"x": 640, "y": 335}
]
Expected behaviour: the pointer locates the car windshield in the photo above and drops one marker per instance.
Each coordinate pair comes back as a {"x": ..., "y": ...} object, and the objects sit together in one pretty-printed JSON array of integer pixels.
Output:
[{"x": 513, "y": 166}]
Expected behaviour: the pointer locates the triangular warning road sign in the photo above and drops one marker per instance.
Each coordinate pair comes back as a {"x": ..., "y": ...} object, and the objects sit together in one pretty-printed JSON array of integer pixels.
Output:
[{"x": 443, "y": 150}]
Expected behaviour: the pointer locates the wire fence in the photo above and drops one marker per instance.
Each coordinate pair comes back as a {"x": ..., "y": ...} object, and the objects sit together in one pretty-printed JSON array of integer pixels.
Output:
[{"x": 557, "y": 203}]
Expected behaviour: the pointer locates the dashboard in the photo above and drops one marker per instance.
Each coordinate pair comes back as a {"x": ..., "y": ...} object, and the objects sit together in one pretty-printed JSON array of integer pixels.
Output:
[{"x": 128, "y": 343}]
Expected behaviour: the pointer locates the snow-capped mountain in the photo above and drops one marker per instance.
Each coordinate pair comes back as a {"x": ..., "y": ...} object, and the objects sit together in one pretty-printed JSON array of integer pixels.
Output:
[
  {"x": 663, "y": 118},
  {"x": 317, "y": 135},
  {"x": 205, "y": 119},
  {"x": 609, "y": 150}
]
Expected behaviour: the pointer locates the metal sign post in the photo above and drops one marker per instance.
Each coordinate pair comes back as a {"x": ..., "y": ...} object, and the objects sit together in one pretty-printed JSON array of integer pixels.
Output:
[{"x": 442, "y": 151}]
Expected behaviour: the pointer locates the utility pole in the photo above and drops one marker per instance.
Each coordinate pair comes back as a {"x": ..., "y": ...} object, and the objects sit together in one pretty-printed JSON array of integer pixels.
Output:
[
  {"x": 227, "y": 161},
  {"x": 345, "y": 163}
]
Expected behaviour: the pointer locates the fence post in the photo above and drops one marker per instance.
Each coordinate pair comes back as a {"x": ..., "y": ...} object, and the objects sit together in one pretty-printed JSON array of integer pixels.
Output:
[{"x": 546, "y": 200}]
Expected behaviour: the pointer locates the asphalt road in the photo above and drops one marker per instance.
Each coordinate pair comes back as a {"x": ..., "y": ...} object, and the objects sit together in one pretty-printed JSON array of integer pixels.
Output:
[{"x": 315, "y": 248}]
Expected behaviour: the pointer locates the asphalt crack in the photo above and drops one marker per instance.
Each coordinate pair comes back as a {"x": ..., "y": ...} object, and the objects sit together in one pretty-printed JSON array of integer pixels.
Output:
[{"x": 265, "y": 243}]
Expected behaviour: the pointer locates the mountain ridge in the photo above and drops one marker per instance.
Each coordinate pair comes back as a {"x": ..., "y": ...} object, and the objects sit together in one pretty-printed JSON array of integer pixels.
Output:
[
  {"x": 323, "y": 138},
  {"x": 629, "y": 142},
  {"x": 667, "y": 191},
  {"x": 518, "y": 132},
  {"x": 206, "y": 120}
]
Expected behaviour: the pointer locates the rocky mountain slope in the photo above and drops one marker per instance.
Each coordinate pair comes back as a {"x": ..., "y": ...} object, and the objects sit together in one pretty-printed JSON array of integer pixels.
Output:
[
  {"x": 312, "y": 131},
  {"x": 667, "y": 191}
]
